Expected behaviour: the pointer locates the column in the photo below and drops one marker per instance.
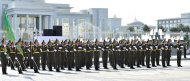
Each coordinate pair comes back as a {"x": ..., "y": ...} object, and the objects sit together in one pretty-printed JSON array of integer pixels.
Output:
[
  {"x": 60, "y": 21},
  {"x": 15, "y": 26},
  {"x": 50, "y": 22},
  {"x": 77, "y": 28},
  {"x": 71, "y": 28},
  {"x": 27, "y": 23},
  {"x": 40, "y": 24}
]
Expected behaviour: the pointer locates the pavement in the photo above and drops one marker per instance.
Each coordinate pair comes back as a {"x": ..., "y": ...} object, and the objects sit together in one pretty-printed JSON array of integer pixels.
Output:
[{"x": 171, "y": 73}]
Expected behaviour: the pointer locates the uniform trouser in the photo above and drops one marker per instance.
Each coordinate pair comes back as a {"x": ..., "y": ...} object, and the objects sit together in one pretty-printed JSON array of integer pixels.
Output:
[
  {"x": 115, "y": 59},
  {"x": 131, "y": 58},
  {"x": 121, "y": 58},
  {"x": 83, "y": 58},
  {"x": 30, "y": 60},
  {"x": 96, "y": 59},
  {"x": 72, "y": 60},
  {"x": 185, "y": 53},
  {"x": 63, "y": 60},
  {"x": 69, "y": 60},
  {"x": 57, "y": 60},
  {"x": 111, "y": 58},
  {"x": 138, "y": 58},
  {"x": 36, "y": 62},
  {"x": 164, "y": 58},
  {"x": 88, "y": 59},
  {"x": 26, "y": 60},
  {"x": 77, "y": 60},
  {"x": 157, "y": 57},
  {"x": 179, "y": 53},
  {"x": 126, "y": 59},
  {"x": 148, "y": 52},
  {"x": 12, "y": 60},
  {"x": 20, "y": 63},
  {"x": 4, "y": 63},
  {"x": 50, "y": 60},
  {"x": 105, "y": 58},
  {"x": 168, "y": 57},
  {"x": 143, "y": 58},
  {"x": 44, "y": 60},
  {"x": 153, "y": 57},
  {"x": 91, "y": 57}
]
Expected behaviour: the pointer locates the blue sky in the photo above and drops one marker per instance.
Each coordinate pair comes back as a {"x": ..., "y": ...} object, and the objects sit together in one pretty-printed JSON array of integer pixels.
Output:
[{"x": 147, "y": 11}]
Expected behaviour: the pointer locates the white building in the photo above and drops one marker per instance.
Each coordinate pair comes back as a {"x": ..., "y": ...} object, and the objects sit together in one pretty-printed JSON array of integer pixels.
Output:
[
  {"x": 114, "y": 24},
  {"x": 29, "y": 16},
  {"x": 174, "y": 22}
]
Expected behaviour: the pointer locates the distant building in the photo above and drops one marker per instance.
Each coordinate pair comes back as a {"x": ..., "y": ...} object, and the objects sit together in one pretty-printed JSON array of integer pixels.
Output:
[
  {"x": 30, "y": 17},
  {"x": 174, "y": 22}
]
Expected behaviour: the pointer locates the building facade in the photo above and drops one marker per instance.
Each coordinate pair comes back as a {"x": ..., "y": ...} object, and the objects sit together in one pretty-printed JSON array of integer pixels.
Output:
[
  {"x": 28, "y": 20},
  {"x": 174, "y": 22}
]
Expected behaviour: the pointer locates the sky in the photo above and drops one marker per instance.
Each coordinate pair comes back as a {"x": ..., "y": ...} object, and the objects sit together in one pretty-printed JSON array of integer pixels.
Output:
[{"x": 147, "y": 11}]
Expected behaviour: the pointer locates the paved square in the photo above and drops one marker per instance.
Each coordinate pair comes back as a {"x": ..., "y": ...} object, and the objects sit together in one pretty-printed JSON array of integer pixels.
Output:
[{"x": 172, "y": 73}]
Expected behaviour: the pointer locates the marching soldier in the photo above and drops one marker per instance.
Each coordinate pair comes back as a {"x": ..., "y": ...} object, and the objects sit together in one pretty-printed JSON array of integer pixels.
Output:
[
  {"x": 57, "y": 55},
  {"x": 19, "y": 57},
  {"x": 97, "y": 49},
  {"x": 131, "y": 55},
  {"x": 164, "y": 53},
  {"x": 43, "y": 55},
  {"x": 169, "y": 45},
  {"x": 143, "y": 53},
  {"x": 138, "y": 53},
  {"x": 27, "y": 52},
  {"x": 36, "y": 56},
  {"x": 179, "y": 53},
  {"x": 127, "y": 45},
  {"x": 4, "y": 60},
  {"x": 50, "y": 59},
  {"x": 105, "y": 54},
  {"x": 63, "y": 55},
  {"x": 88, "y": 57},
  {"x": 153, "y": 54},
  {"x": 158, "y": 48},
  {"x": 122, "y": 54},
  {"x": 78, "y": 48},
  {"x": 148, "y": 52},
  {"x": 12, "y": 51},
  {"x": 69, "y": 55},
  {"x": 116, "y": 49}
]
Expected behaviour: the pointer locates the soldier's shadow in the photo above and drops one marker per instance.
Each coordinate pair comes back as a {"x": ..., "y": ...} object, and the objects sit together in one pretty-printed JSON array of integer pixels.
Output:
[
  {"x": 45, "y": 73},
  {"x": 67, "y": 72},
  {"x": 29, "y": 78},
  {"x": 90, "y": 71},
  {"x": 10, "y": 75}
]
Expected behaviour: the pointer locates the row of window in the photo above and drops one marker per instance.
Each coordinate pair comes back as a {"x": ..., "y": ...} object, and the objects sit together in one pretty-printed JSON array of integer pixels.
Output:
[{"x": 169, "y": 21}]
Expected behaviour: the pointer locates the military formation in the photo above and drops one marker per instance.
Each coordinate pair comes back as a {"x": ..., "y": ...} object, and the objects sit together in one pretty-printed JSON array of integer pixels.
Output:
[{"x": 60, "y": 55}]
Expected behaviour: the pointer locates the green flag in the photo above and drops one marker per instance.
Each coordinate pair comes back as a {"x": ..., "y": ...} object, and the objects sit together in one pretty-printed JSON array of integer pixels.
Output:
[{"x": 7, "y": 27}]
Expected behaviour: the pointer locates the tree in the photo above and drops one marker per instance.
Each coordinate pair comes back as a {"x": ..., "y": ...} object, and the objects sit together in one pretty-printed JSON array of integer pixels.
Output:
[
  {"x": 146, "y": 28},
  {"x": 131, "y": 29}
]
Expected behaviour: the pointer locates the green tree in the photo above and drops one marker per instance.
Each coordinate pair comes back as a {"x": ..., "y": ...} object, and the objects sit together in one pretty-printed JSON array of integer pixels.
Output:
[
  {"x": 131, "y": 29},
  {"x": 146, "y": 28}
]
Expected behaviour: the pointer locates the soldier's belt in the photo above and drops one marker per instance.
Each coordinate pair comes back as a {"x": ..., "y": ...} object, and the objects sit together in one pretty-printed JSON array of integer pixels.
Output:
[
  {"x": 12, "y": 52},
  {"x": 43, "y": 51},
  {"x": 51, "y": 51},
  {"x": 36, "y": 52},
  {"x": 2, "y": 51}
]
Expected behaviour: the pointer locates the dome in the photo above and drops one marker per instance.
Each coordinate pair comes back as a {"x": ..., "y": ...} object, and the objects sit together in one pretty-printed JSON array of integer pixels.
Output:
[{"x": 136, "y": 23}]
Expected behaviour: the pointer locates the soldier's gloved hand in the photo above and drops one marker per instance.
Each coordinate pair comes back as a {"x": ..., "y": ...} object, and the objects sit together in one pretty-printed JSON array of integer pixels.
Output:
[
  {"x": 55, "y": 50},
  {"x": 16, "y": 58},
  {"x": 48, "y": 50},
  {"x": 75, "y": 50},
  {"x": 32, "y": 58}
]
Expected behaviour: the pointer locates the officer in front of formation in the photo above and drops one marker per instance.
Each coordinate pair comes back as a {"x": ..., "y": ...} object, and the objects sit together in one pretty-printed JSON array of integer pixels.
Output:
[{"x": 4, "y": 60}]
